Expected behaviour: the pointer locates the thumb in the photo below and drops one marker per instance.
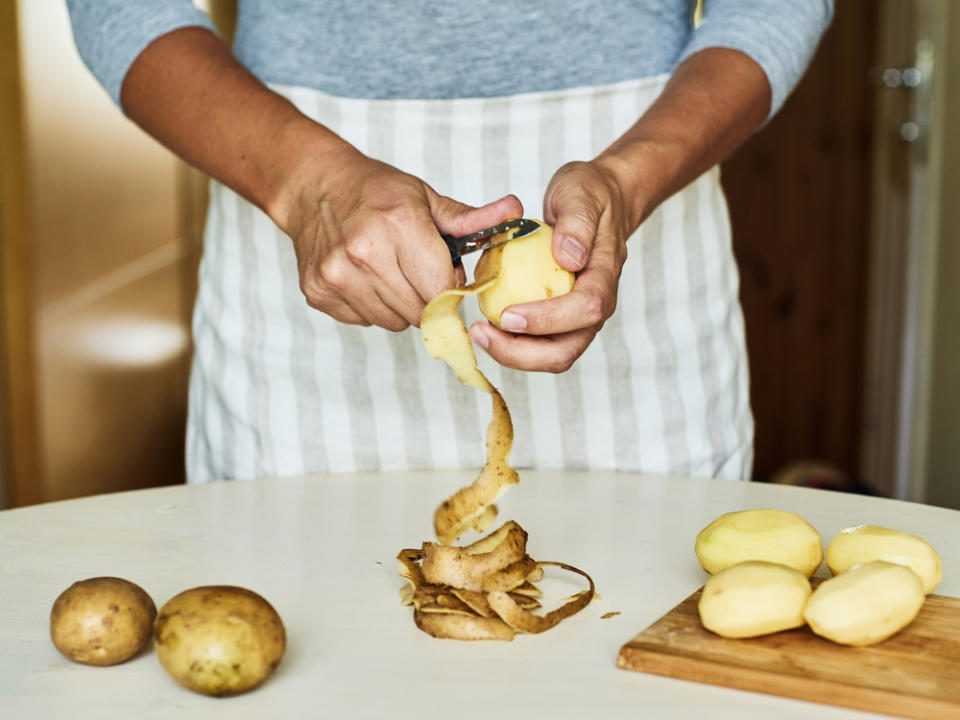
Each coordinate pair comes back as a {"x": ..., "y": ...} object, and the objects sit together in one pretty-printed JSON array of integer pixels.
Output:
[
  {"x": 455, "y": 218},
  {"x": 575, "y": 219}
]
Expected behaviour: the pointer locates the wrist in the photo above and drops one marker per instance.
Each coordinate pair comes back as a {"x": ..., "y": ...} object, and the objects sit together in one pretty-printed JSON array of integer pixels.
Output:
[
  {"x": 307, "y": 157},
  {"x": 637, "y": 170}
]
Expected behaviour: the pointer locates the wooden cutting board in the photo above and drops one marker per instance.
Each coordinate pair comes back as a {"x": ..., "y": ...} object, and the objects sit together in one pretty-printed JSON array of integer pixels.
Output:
[{"x": 914, "y": 674}]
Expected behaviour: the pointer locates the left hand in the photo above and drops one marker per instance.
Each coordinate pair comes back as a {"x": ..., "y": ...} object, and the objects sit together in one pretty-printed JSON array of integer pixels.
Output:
[{"x": 585, "y": 204}]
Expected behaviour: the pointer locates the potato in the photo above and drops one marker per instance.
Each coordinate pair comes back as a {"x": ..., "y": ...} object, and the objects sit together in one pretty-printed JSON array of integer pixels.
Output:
[
  {"x": 865, "y": 604},
  {"x": 219, "y": 640},
  {"x": 864, "y": 543},
  {"x": 525, "y": 271},
  {"x": 776, "y": 536},
  {"x": 102, "y": 620},
  {"x": 754, "y": 598}
]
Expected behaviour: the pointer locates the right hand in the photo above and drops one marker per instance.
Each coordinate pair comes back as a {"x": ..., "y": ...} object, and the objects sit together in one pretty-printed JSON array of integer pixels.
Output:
[{"x": 368, "y": 238}]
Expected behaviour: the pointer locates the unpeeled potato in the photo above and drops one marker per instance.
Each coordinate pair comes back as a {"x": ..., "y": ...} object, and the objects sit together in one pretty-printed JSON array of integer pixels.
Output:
[
  {"x": 219, "y": 640},
  {"x": 525, "y": 271},
  {"x": 776, "y": 536},
  {"x": 102, "y": 620}
]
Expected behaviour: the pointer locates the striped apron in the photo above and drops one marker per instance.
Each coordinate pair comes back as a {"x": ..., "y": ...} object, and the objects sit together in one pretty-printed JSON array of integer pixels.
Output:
[{"x": 278, "y": 388}]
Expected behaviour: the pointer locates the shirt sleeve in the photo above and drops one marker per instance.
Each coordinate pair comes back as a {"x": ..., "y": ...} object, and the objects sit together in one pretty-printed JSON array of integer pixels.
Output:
[
  {"x": 779, "y": 35},
  {"x": 110, "y": 34}
]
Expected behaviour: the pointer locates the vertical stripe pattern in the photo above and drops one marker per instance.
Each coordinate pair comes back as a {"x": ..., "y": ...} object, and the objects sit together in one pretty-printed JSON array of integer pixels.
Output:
[{"x": 278, "y": 388}]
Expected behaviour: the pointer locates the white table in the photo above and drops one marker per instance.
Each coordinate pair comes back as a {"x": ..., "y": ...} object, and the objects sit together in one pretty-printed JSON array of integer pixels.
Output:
[{"x": 322, "y": 551}]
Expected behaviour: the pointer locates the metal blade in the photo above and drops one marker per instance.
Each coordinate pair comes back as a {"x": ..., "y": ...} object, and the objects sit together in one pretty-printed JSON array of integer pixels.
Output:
[{"x": 497, "y": 235}]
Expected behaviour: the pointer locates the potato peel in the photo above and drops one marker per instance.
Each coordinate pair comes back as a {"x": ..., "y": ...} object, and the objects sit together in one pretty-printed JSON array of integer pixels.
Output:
[
  {"x": 461, "y": 627},
  {"x": 523, "y": 621},
  {"x": 446, "y": 337},
  {"x": 465, "y": 507},
  {"x": 480, "y": 606},
  {"x": 484, "y": 590},
  {"x": 466, "y": 567}
]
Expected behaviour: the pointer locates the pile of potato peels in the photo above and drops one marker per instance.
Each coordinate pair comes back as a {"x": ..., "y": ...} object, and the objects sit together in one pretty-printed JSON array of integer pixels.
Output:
[{"x": 485, "y": 590}]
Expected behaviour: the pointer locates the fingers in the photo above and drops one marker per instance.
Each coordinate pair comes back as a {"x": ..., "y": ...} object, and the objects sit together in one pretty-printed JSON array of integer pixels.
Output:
[
  {"x": 424, "y": 260},
  {"x": 555, "y": 354},
  {"x": 458, "y": 219},
  {"x": 574, "y": 211},
  {"x": 592, "y": 300},
  {"x": 340, "y": 289}
]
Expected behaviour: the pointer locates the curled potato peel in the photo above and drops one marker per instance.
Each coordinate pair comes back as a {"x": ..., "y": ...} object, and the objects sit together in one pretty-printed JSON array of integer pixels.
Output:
[
  {"x": 466, "y": 567},
  {"x": 491, "y": 607},
  {"x": 485, "y": 590}
]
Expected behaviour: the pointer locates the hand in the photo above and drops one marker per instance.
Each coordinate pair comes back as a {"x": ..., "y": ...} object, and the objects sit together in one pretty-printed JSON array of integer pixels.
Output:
[
  {"x": 368, "y": 239},
  {"x": 584, "y": 203}
]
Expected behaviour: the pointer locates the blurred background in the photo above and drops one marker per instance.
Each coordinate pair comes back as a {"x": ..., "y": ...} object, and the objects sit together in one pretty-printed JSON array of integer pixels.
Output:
[{"x": 846, "y": 220}]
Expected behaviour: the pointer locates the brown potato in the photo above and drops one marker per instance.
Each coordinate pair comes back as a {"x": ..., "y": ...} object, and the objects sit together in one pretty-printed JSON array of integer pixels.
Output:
[
  {"x": 102, "y": 620},
  {"x": 219, "y": 640}
]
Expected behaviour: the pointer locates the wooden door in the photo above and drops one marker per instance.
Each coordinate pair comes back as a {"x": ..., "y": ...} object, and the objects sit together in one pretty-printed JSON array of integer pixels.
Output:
[{"x": 799, "y": 194}]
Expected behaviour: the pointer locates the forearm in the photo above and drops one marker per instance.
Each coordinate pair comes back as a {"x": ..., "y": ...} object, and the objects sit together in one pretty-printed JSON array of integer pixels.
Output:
[
  {"x": 710, "y": 106},
  {"x": 188, "y": 91}
]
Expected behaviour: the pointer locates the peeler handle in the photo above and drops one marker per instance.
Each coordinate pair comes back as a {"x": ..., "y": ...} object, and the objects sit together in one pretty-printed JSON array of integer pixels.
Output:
[{"x": 454, "y": 252}]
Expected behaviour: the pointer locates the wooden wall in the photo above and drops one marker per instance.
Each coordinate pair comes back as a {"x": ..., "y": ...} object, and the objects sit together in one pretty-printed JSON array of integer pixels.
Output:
[
  {"x": 108, "y": 264},
  {"x": 799, "y": 196}
]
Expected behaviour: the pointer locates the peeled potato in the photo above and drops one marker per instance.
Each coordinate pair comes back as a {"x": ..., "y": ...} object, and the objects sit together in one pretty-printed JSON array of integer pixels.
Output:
[
  {"x": 525, "y": 271},
  {"x": 864, "y": 543},
  {"x": 865, "y": 604},
  {"x": 219, "y": 640},
  {"x": 775, "y": 536},
  {"x": 754, "y": 598},
  {"x": 102, "y": 620}
]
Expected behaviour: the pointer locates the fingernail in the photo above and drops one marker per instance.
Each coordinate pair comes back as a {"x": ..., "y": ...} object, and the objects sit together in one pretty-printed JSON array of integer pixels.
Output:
[
  {"x": 573, "y": 250},
  {"x": 480, "y": 336},
  {"x": 513, "y": 321}
]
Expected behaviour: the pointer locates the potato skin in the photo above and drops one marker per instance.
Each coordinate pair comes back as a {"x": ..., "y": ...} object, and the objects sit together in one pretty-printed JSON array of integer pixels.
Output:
[
  {"x": 102, "y": 620},
  {"x": 219, "y": 640}
]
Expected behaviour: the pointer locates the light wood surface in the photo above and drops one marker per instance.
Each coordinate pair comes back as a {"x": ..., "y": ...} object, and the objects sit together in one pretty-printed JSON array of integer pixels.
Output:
[
  {"x": 322, "y": 551},
  {"x": 914, "y": 674}
]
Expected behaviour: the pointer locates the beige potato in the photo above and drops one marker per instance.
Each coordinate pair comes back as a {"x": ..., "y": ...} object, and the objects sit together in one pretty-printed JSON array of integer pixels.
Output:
[
  {"x": 102, "y": 620},
  {"x": 525, "y": 270},
  {"x": 754, "y": 598},
  {"x": 219, "y": 640},
  {"x": 864, "y": 543},
  {"x": 865, "y": 604},
  {"x": 775, "y": 536}
]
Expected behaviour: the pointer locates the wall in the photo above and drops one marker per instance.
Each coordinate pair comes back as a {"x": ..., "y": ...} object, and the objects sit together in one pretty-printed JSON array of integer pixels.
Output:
[
  {"x": 112, "y": 271},
  {"x": 799, "y": 194}
]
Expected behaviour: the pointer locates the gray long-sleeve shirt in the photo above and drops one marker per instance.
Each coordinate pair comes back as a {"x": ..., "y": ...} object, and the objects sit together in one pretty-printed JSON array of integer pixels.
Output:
[{"x": 462, "y": 48}]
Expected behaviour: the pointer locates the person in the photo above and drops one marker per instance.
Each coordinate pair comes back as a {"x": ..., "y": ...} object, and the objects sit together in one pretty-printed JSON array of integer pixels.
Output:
[{"x": 344, "y": 138}]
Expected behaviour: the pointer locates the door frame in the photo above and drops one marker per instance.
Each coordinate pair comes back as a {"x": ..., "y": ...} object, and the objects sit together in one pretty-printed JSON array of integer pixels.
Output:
[
  {"x": 905, "y": 235},
  {"x": 21, "y": 477}
]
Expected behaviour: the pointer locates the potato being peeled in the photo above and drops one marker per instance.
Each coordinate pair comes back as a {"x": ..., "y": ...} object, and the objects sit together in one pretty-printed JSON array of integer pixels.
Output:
[
  {"x": 775, "y": 536},
  {"x": 864, "y": 543},
  {"x": 525, "y": 270},
  {"x": 219, "y": 640},
  {"x": 102, "y": 620}
]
